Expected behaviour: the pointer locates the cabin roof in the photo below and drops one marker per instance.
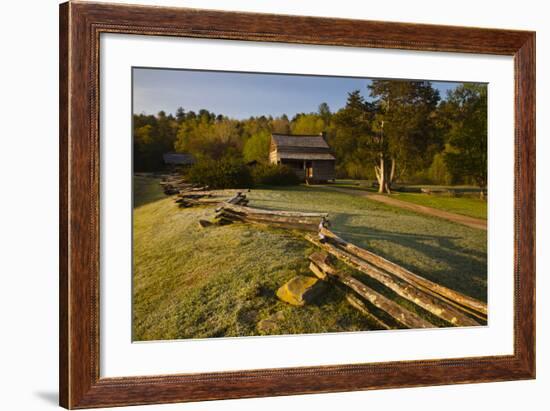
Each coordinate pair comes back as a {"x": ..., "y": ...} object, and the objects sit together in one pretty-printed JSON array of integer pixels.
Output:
[
  {"x": 178, "y": 158},
  {"x": 301, "y": 147},
  {"x": 297, "y": 140}
]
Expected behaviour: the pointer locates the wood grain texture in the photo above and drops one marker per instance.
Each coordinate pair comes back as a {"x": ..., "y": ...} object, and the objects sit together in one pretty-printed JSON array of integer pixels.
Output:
[
  {"x": 424, "y": 284},
  {"x": 525, "y": 212},
  {"x": 80, "y": 27},
  {"x": 63, "y": 205},
  {"x": 430, "y": 303}
]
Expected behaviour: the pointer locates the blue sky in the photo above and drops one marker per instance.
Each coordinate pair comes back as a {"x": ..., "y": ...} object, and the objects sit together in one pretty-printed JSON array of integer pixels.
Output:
[{"x": 241, "y": 95}]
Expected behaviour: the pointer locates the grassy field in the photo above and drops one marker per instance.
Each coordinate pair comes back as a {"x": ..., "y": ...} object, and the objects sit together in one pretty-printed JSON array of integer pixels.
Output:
[
  {"x": 221, "y": 281},
  {"x": 471, "y": 206},
  {"x": 468, "y": 203}
]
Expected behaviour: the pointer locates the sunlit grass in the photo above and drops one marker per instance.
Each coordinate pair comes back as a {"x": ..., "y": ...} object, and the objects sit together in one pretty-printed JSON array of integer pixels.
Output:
[
  {"x": 220, "y": 281},
  {"x": 471, "y": 206},
  {"x": 465, "y": 202}
]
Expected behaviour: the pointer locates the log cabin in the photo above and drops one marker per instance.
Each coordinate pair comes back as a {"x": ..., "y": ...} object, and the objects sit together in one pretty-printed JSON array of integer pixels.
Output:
[{"x": 309, "y": 156}]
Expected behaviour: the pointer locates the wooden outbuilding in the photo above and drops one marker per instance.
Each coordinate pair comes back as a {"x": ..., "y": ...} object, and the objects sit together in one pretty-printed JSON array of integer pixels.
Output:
[
  {"x": 178, "y": 159},
  {"x": 308, "y": 155}
]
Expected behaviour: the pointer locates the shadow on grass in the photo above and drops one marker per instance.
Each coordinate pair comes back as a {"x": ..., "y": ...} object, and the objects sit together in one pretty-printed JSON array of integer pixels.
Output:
[
  {"x": 144, "y": 192},
  {"x": 301, "y": 188},
  {"x": 465, "y": 269}
]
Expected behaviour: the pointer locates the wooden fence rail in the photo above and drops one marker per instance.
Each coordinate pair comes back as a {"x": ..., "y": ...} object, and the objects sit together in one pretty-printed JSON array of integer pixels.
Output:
[
  {"x": 428, "y": 302},
  {"x": 448, "y": 305},
  {"x": 461, "y": 301},
  {"x": 322, "y": 269},
  {"x": 283, "y": 219}
]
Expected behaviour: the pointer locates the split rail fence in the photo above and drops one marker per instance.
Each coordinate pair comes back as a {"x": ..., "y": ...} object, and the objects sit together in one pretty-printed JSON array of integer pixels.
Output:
[{"x": 442, "y": 304}]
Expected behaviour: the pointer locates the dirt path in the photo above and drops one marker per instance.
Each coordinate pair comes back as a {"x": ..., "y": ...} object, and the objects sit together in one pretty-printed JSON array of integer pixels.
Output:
[{"x": 446, "y": 215}]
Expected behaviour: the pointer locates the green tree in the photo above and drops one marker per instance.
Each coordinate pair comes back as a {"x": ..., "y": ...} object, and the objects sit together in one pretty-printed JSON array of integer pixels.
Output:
[
  {"x": 350, "y": 137},
  {"x": 325, "y": 113},
  {"x": 438, "y": 171},
  {"x": 280, "y": 125},
  {"x": 180, "y": 114},
  {"x": 153, "y": 136},
  {"x": 307, "y": 124},
  {"x": 209, "y": 136},
  {"x": 466, "y": 108},
  {"x": 257, "y": 147},
  {"x": 406, "y": 135}
]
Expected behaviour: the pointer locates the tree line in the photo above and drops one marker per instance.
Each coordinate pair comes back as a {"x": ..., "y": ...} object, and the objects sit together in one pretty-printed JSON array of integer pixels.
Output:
[{"x": 403, "y": 132}]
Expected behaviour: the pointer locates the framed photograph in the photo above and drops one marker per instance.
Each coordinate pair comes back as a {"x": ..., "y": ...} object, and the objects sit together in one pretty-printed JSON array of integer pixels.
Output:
[{"x": 259, "y": 205}]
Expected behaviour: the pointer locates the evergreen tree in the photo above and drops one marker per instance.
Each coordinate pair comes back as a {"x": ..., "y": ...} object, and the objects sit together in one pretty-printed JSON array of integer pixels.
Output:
[{"x": 180, "y": 114}]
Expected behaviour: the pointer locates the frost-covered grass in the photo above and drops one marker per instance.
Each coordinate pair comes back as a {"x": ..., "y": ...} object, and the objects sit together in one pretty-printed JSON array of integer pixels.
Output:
[{"x": 221, "y": 281}]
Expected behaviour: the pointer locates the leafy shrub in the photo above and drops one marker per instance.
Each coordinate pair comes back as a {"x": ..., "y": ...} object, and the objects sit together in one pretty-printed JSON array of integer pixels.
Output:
[
  {"x": 224, "y": 173},
  {"x": 438, "y": 171},
  {"x": 274, "y": 174}
]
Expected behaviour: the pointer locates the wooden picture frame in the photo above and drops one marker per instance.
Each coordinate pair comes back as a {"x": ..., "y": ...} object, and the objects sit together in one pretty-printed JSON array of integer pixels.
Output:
[{"x": 80, "y": 27}]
